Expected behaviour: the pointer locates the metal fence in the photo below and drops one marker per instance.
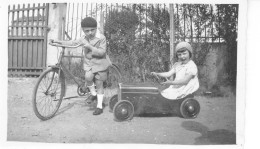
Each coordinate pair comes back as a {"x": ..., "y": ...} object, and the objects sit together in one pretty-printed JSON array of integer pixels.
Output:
[
  {"x": 190, "y": 25},
  {"x": 149, "y": 45}
]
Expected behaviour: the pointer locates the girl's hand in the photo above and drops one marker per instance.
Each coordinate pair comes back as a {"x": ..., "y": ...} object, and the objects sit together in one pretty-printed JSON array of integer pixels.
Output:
[
  {"x": 154, "y": 73},
  {"x": 168, "y": 82}
]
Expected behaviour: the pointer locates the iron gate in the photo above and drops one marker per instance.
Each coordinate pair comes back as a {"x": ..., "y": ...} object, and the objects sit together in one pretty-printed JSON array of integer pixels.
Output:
[{"x": 27, "y": 39}]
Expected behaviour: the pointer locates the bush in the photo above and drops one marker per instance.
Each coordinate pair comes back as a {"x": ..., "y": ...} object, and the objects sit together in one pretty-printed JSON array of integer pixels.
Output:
[{"x": 136, "y": 55}]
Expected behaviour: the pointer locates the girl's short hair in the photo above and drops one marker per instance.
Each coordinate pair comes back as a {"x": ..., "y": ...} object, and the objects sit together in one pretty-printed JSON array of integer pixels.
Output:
[{"x": 183, "y": 50}]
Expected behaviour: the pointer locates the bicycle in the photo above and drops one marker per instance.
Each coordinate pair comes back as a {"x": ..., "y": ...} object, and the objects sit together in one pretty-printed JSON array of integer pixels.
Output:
[{"x": 49, "y": 90}]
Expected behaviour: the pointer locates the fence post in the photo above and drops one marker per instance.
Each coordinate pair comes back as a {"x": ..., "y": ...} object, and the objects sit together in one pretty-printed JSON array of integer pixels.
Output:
[
  {"x": 102, "y": 22},
  {"x": 172, "y": 35},
  {"x": 56, "y": 25}
]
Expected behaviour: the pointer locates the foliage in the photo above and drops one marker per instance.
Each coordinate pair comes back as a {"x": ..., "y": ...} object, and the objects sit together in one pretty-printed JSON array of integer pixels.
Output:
[
  {"x": 121, "y": 22},
  {"x": 137, "y": 56},
  {"x": 199, "y": 55},
  {"x": 138, "y": 37},
  {"x": 227, "y": 28},
  {"x": 76, "y": 68}
]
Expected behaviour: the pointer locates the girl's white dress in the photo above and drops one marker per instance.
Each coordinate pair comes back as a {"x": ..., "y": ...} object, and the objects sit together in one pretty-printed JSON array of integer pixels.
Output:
[{"x": 179, "y": 91}]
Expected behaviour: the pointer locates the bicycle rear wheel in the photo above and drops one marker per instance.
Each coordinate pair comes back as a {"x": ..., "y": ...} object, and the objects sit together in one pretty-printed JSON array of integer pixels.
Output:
[
  {"x": 48, "y": 93},
  {"x": 111, "y": 85}
]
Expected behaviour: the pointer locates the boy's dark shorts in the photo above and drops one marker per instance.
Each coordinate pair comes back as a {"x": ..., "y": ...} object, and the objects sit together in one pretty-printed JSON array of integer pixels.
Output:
[{"x": 101, "y": 75}]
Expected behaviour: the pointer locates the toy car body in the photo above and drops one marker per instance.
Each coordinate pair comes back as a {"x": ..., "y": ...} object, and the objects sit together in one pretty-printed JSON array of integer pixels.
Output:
[{"x": 146, "y": 99}]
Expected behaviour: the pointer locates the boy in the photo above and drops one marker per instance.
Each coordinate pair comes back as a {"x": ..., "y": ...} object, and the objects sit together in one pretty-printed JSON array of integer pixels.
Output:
[
  {"x": 95, "y": 61},
  {"x": 186, "y": 81}
]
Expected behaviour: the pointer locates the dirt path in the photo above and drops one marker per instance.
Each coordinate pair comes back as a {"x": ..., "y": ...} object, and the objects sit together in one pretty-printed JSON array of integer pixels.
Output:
[{"x": 216, "y": 123}]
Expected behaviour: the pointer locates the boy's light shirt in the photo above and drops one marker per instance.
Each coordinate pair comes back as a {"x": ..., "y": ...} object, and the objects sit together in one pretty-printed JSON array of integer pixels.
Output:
[
  {"x": 98, "y": 35},
  {"x": 92, "y": 62}
]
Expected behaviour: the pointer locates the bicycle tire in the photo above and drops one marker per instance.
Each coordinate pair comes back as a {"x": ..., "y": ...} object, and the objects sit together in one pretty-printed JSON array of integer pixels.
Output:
[
  {"x": 44, "y": 85},
  {"x": 113, "y": 79}
]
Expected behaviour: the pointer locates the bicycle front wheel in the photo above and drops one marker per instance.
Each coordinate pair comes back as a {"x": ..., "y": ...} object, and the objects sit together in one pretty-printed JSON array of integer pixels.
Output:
[{"x": 48, "y": 93}]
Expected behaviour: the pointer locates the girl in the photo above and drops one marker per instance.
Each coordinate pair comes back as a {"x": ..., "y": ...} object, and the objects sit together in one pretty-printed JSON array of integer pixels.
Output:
[{"x": 186, "y": 81}]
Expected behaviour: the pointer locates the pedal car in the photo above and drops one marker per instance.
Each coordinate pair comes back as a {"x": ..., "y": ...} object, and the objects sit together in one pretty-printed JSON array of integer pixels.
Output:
[{"x": 146, "y": 99}]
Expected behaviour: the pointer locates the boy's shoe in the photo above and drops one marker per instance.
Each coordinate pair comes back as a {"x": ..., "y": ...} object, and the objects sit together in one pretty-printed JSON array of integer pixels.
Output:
[
  {"x": 98, "y": 111},
  {"x": 91, "y": 98}
]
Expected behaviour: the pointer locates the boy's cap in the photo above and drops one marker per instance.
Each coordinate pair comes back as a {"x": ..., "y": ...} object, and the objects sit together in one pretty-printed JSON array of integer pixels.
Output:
[
  {"x": 182, "y": 45},
  {"x": 88, "y": 22}
]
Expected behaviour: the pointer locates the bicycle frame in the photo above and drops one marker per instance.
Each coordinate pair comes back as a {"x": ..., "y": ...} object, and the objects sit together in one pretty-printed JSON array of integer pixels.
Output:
[
  {"x": 70, "y": 74},
  {"x": 60, "y": 63}
]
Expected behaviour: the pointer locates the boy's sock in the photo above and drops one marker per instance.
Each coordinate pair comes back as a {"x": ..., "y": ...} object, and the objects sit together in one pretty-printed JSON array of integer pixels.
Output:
[
  {"x": 100, "y": 100},
  {"x": 92, "y": 90}
]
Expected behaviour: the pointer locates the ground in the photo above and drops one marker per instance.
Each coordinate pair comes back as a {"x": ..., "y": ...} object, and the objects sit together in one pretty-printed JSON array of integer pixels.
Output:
[{"x": 74, "y": 123}]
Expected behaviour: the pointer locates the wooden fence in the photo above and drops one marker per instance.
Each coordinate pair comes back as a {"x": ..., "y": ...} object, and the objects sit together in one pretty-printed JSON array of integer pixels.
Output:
[{"x": 27, "y": 39}]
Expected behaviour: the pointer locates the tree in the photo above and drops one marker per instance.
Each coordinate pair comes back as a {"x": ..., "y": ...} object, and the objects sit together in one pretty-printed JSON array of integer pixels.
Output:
[
  {"x": 141, "y": 46},
  {"x": 227, "y": 28}
]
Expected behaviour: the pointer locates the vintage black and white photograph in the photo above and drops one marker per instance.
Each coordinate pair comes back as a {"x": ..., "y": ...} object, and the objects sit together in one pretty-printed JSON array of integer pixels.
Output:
[{"x": 155, "y": 73}]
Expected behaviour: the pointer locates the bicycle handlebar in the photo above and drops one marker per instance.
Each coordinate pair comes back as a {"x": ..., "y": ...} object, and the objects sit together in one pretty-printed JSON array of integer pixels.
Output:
[{"x": 64, "y": 46}]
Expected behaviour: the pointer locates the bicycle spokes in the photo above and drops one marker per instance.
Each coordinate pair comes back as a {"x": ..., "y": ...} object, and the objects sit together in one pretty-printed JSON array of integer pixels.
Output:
[{"x": 48, "y": 94}]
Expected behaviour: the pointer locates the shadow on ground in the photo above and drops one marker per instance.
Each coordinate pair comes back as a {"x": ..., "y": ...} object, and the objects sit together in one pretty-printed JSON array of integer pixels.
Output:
[
  {"x": 158, "y": 115},
  {"x": 91, "y": 106},
  {"x": 219, "y": 136}
]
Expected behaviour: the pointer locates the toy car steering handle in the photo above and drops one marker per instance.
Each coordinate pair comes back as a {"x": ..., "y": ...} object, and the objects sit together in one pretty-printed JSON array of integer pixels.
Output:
[
  {"x": 64, "y": 46},
  {"x": 158, "y": 79}
]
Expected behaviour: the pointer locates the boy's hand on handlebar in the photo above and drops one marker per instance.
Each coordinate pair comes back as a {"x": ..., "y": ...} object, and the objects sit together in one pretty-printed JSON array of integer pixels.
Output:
[{"x": 51, "y": 41}]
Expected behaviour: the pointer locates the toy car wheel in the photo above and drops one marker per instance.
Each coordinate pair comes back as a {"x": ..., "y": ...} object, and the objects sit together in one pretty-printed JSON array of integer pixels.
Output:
[
  {"x": 123, "y": 110},
  {"x": 112, "y": 101},
  {"x": 190, "y": 108},
  {"x": 81, "y": 91}
]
